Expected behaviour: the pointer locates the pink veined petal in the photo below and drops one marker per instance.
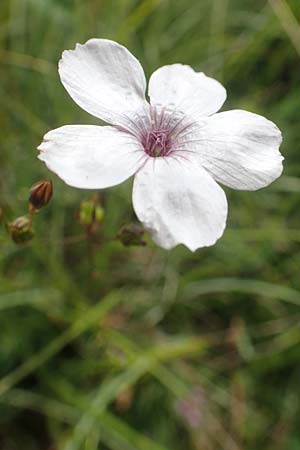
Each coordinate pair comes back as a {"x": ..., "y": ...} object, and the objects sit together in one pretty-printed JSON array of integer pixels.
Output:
[
  {"x": 190, "y": 92},
  {"x": 91, "y": 157},
  {"x": 179, "y": 203},
  {"x": 104, "y": 79},
  {"x": 239, "y": 149}
]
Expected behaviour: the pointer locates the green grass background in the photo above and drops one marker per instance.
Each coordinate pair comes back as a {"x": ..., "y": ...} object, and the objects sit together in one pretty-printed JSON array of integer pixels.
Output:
[{"x": 106, "y": 347}]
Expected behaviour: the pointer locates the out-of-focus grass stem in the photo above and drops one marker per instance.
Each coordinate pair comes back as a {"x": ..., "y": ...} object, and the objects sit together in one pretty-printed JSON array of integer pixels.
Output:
[
  {"x": 93, "y": 316},
  {"x": 288, "y": 21}
]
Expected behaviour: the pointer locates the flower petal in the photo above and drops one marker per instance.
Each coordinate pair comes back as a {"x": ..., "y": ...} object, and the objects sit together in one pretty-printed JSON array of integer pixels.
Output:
[
  {"x": 104, "y": 78},
  {"x": 179, "y": 203},
  {"x": 190, "y": 92},
  {"x": 91, "y": 157},
  {"x": 240, "y": 149}
]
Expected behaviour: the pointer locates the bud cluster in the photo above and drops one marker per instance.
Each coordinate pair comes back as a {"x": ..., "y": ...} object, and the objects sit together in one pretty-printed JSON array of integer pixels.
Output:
[
  {"x": 21, "y": 229},
  {"x": 90, "y": 214}
]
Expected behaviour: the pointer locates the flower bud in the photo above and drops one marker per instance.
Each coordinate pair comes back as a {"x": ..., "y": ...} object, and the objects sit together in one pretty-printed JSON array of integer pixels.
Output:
[
  {"x": 131, "y": 234},
  {"x": 40, "y": 195},
  {"x": 20, "y": 230},
  {"x": 90, "y": 212}
]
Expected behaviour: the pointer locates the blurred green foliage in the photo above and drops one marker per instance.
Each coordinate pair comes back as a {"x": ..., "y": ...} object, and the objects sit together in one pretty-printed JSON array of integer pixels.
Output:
[{"x": 107, "y": 347}]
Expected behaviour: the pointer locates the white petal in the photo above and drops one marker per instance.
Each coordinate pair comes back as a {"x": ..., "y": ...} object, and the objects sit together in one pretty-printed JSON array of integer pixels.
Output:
[
  {"x": 104, "y": 78},
  {"x": 240, "y": 149},
  {"x": 190, "y": 92},
  {"x": 179, "y": 203},
  {"x": 91, "y": 157}
]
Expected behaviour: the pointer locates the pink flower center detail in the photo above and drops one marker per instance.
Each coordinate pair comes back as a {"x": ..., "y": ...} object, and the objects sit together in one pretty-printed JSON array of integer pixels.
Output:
[
  {"x": 162, "y": 131},
  {"x": 157, "y": 143}
]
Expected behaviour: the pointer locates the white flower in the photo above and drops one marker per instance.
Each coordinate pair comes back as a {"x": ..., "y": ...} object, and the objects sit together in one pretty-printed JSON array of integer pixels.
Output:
[{"x": 176, "y": 146}]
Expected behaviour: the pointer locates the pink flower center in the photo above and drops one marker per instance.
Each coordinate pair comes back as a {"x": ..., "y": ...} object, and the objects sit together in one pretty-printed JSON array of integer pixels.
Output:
[
  {"x": 162, "y": 131},
  {"x": 157, "y": 143}
]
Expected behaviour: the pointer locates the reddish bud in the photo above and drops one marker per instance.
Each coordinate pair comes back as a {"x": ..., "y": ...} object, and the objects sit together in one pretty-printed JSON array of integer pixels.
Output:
[{"x": 40, "y": 195}]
